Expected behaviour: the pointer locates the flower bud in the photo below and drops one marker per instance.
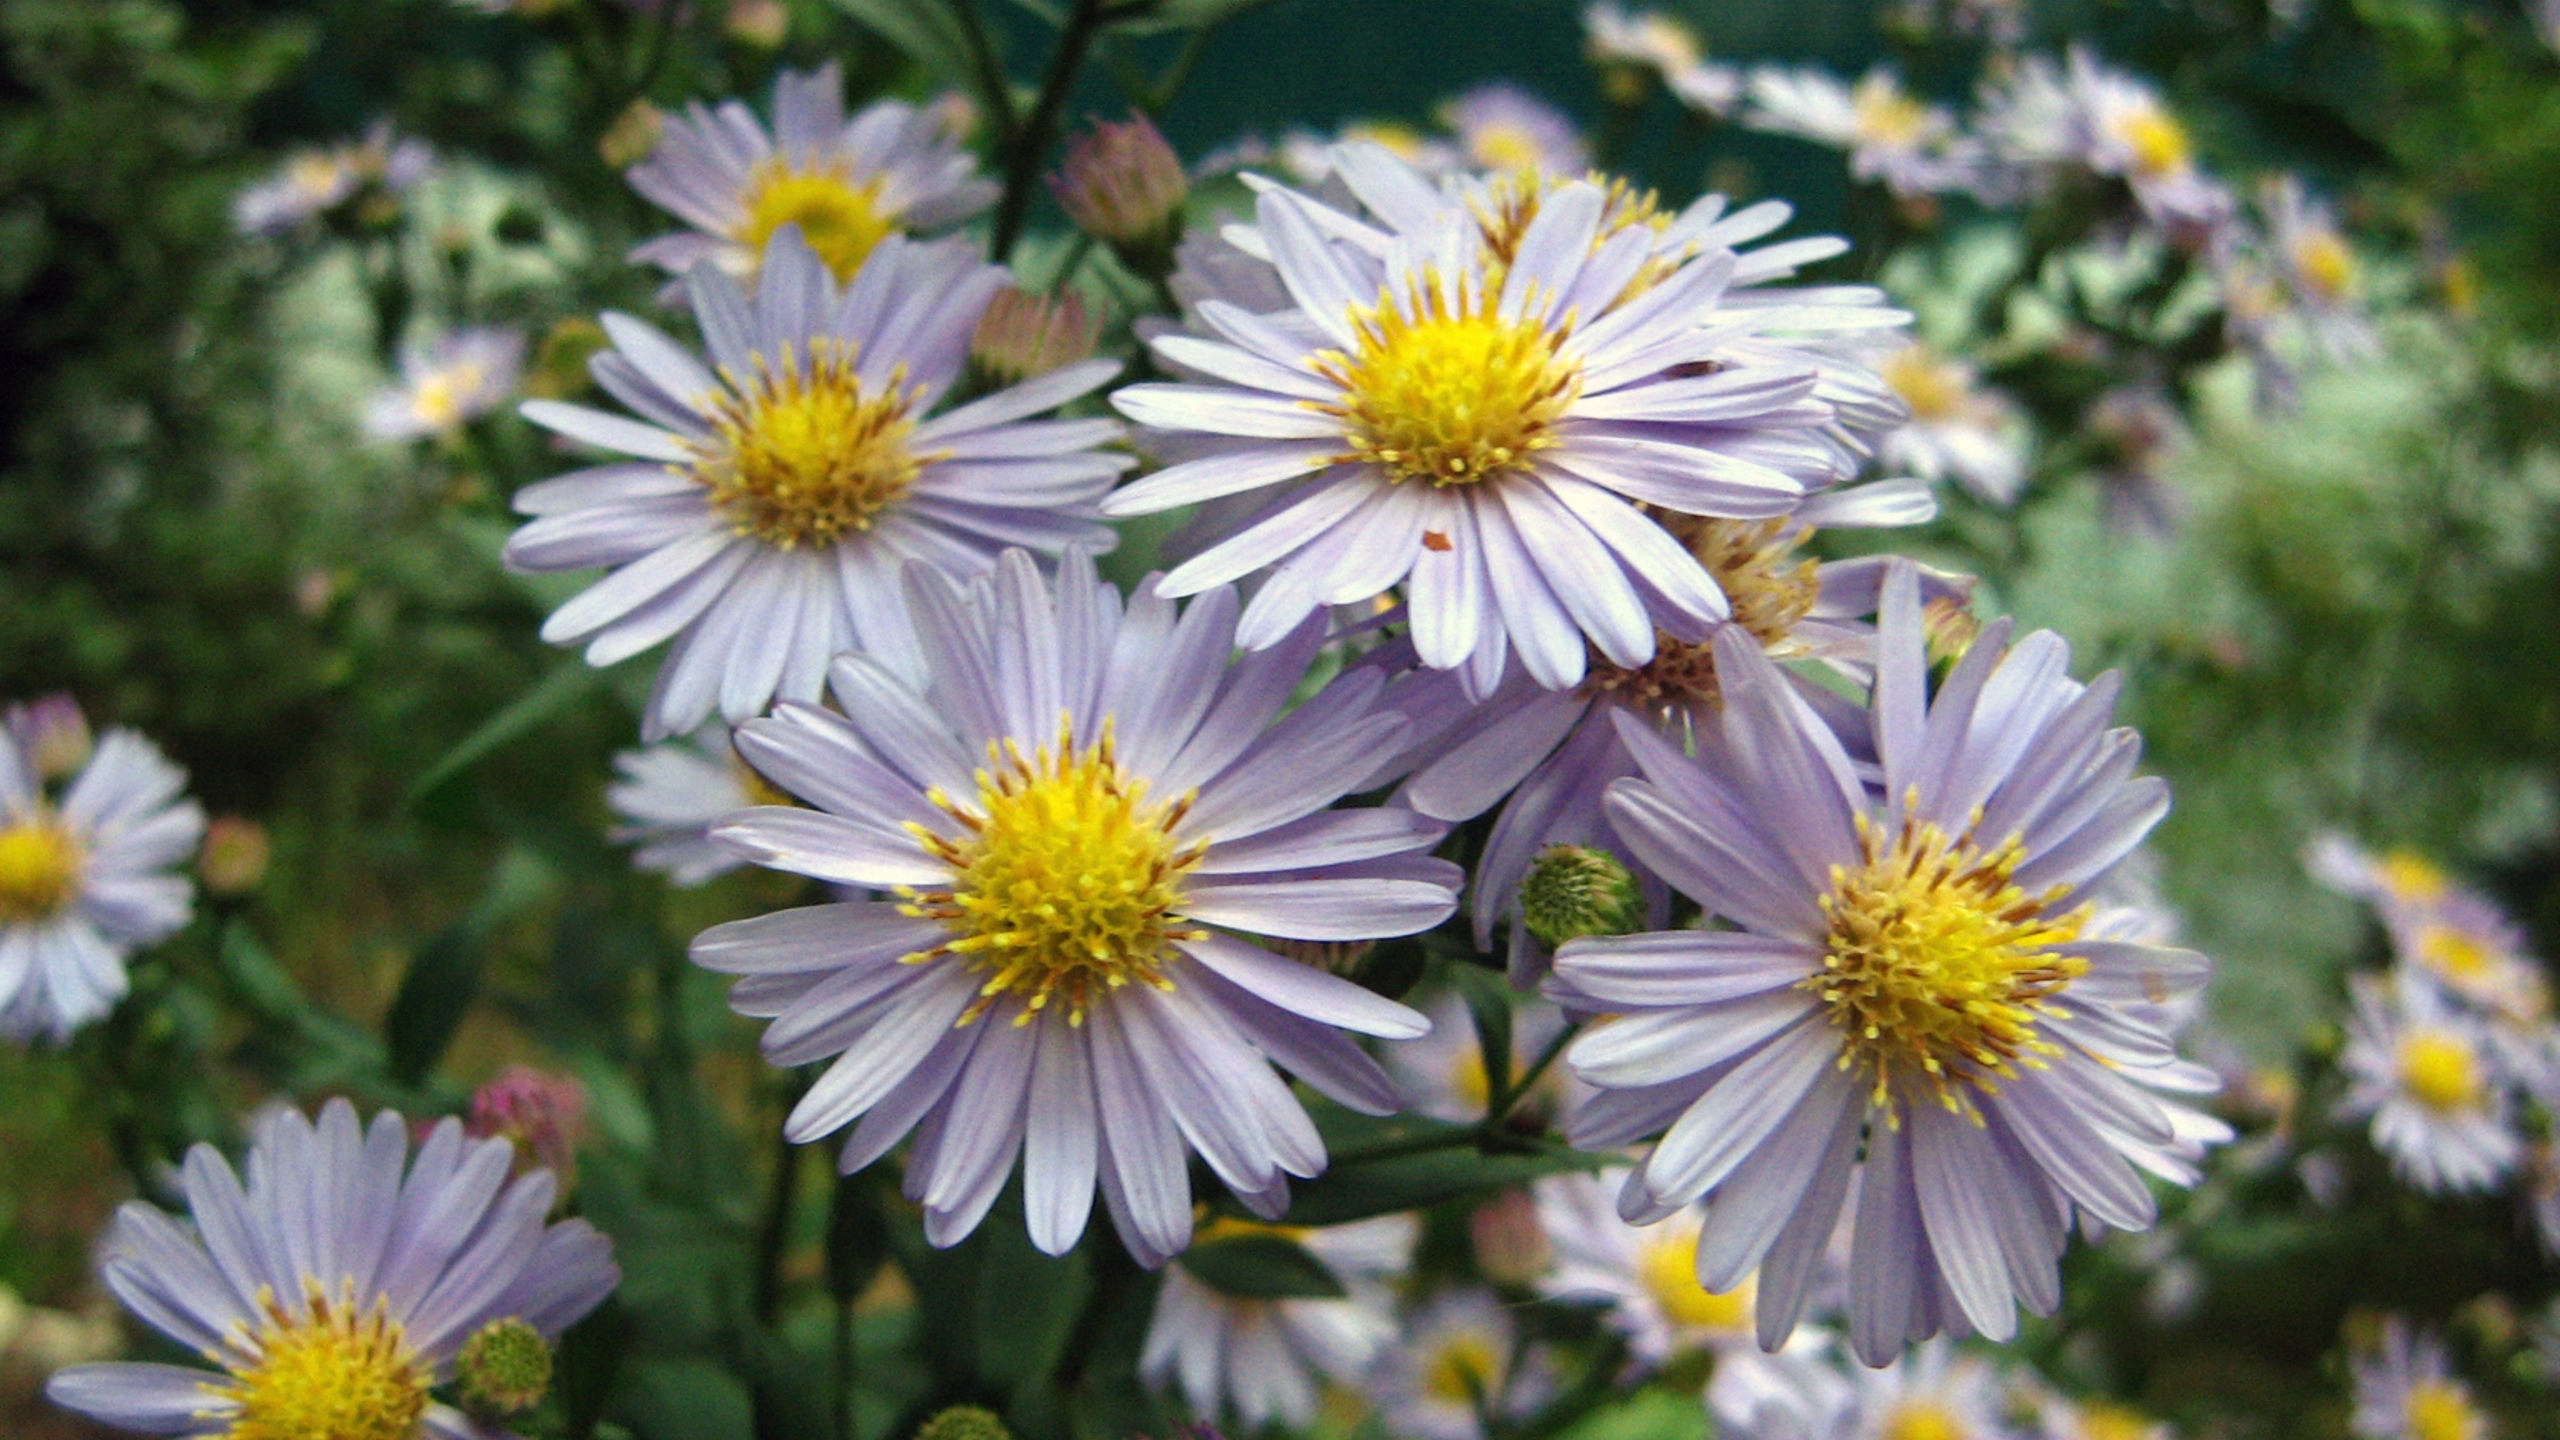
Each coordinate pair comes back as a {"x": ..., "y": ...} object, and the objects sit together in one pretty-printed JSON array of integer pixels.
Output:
[
  {"x": 963, "y": 1422},
  {"x": 544, "y": 1114},
  {"x": 53, "y": 734},
  {"x": 1022, "y": 335},
  {"x": 1572, "y": 892},
  {"x": 1511, "y": 1246},
  {"x": 504, "y": 1367},
  {"x": 234, "y": 857},
  {"x": 1123, "y": 185},
  {"x": 761, "y": 23},
  {"x": 633, "y": 135}
]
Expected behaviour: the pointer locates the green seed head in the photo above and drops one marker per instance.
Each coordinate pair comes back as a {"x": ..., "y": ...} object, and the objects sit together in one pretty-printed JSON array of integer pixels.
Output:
[
  {"x": 964, "y": 1422},
  {"x": 505, "y": 1367},
  {"x": 1572, "y": 892}
]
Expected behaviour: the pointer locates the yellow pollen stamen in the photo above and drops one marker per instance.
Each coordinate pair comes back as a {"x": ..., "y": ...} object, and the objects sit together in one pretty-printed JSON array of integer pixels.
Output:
[
  {"x": 1453, "y": 394},
  {"x": 337, "y": 1372},
  {"x": 1886, "y": 116},
  {"x": 1934, "y": 388},
  {"x": 2105, "y": 1420},
  {"x": 1668, "y": 1268},
  {"x": 2439, "y": 1070},
  {"x": 1938, "y": 966},
  {"x": 2455, "y": 953},
  {"x": 2438, "y": 1410},
  {"x": 1504, "y": 147},
  {"x": 39, "y": 869},
  {"x": 1402, "y": 141},
  {"x": 801, "y": 455},
  {"x": 1065, "y": 883},
  {"x": 1921, "y": 1420},
  {"x": 1769, "y": 587},
  {"x": 2158, "y": 143},
  {"x": 841, "y": 220},
  {"x": 2412, "y": 878},
  {"x": 1464, "y": 1367},
  {"x": 1511, "y": 201},
  {"x": 2325, "y": 263}
]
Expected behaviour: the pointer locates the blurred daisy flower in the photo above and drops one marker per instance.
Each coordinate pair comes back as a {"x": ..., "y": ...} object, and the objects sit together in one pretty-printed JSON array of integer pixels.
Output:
[
  {"x": 2084, "y": 114},
  {"x": 362, "y": 179},
  {"x": 1472, "y": 402},
  {"x": 2405, "y": 1389},
  {"x": 1647, "y": 1274},
  {"x": 1803, "y": 1392},
  {"x": 448, "y": 384},
  {"x": 1960, "y": 429},
  {"x": 1267, "y": 1360},
  {"x": 2398, "y": 879},
  {"x": 2428, "y": 1078},
  {"x": 1902, "y": 1000},
  {"x": 2319, "y": 270},
  {"x": 2060, "y": 1417},
  {"x": 1890, "y": 136},
  {"x": 775, "y": 492},
  {"x": 847, "y": 184},
  {"x": 1063, "y": 811},
  {"x": 93, "y": 844},
  {"x": 673, "y": 792},
  {"x": 339, "y": 1287},
  {"x": 1638, "y": 48},
  {"x": 1458, "y": 1362},
  {"x": 1442, "y": 1074},
  {"x": 1503, "y": 127}
]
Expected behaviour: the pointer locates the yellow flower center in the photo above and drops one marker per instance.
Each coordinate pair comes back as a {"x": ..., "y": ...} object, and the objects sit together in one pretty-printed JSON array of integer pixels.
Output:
[
  {"x": 2158, "y": 143},
  {"x": 1468, "y": 1081},
  {"x": 1667, "y": 43},
  {"x": 317, "y": 175},
  {"x": 2325, "y": 263},
  {"x": 1770, "y": 589},
  {"x": 1935, "y": 389},
  {"x": 1402, "y": 141},
  {"x": 2104, "y": 1420},
  {"x": 1453, "y": 395},
  {"x": 1921, "y": 1420},
  {"x": 1886, "y": 116},
  {"x": 1668, "y": 1268},
  {"x": 1938, "y": 964},
  {"x": 39, "y": 870},
  {"x": 802, "y": 455},
  {"x": 1504, "y": 147},
  {"x": 841, "y": 220},
  {"x": 1464, "y": 1366},
  {"x": 2439, "y": 1070},
  {"x": 1066, "y": 882},
  {"x": 1510, "y": 202},
  {"x": 438, "y": 402},
  {"x": 2455, "y": 953},
  {"x": 340, "y": 1374},
  {"x": 2438, "y": 1410},
  {"x": 2412, "y": 879}
]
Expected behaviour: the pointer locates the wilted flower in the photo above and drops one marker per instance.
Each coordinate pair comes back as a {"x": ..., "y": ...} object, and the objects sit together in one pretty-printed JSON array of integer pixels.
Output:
[
  {"x": 763, "y": 523},
  {"x": 765, "y": 24},
  {"x": 1501, "y": 126},
  {"x": 88, "y": 870},
  {"x": 361, "y": 179},
  {"x": 846, "y": 184},
  {"x": 1266, "y": 1359},
  {"x": 1024, "y": 335},
  {"x": 1047, "y": 982},
  {"x": 504, "y": 1367},
  {"x": 1123, "y": 185},
  {"x": 338, "y": 1287},
  {"x": 544, "y": 1113},
  {"x": 1648, "y": 1274},
  {"x": 2405, "y": 1389},
  {"x": 448, "y": 384}
]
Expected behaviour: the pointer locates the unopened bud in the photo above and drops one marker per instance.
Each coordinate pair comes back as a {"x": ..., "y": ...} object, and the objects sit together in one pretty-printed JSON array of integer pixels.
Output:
[
  {"x": 955, "y": 112},
  {"x": 1511, "y": 1246},
  {"x": 234, "y": 858},
  {"x": 761, "y": 23},
  {"x": 1123, "y": 185},
  {"x": 633, "y": 135},
  {"x": 505, "y": 1367},
  {"x": 1573, "y": 892},
  {"x": 1951, "y": 627},
  {"x": 52, "y": 734},
  {"x": 963, "y": 1422},
  {"x": 544, "y": 1114},
  {"x": 1023, "y": 334}
]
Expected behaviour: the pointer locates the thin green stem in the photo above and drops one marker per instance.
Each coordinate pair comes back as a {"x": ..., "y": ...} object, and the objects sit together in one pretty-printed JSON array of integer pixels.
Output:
[
  {"x": 1031, "y": 145},
  {"x": 847, "y": 1376},
  {"x": 1177, "y": 74},
  {"x": 995, "y": 91},
  {"x": 1496, "y": 1113},
  {"x": 773, "y": 1235}
]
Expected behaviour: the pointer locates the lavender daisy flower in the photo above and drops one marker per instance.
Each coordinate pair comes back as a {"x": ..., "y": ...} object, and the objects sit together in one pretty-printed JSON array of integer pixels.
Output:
[
  {"x": 448, "y": 384},
  {"x": 1442, "y": 1074},
  {"x": 672, "y": 793},
  {"x": 2319, "y": 271},
  {"x": 1640, "y": 40},
  {"x": 1472, "y": 402},
  {"x": 2041, "y": 118},
  {"x": 372, "y": 171},
  {"x": 2405, "y": 1389},
  {"x": 847, "y": 184},
  {"x": 1907, "y": 996},
  {"x": 1893, "y": 138},
  {"x": 2465, "y": 943},
  {"x": 763, "y": 523},
  {"x": 89, "y": 869},
  {"x": 335, "y": 1288},
  {"x": 1268, "y": 1359},
  {"x": 1647, "y": 1274},
  {"x": 1803, "y": 1393},
  {"x": 1456, "y": 1361},
  {"x": 1503, "y": 127},
  {"x": 2428, "y": 1077},
  {"x": 1047, "y": 980},
  {"x": 1960, "y": 428}
]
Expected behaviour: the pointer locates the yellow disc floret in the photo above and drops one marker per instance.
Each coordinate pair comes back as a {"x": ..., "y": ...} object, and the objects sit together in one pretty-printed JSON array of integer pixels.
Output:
[
  {"x": 1452, "y": 393},
  {"x": 2158, "y": 143},
  {"x": 2325, "y": 263},
  {"x": 2439, "y": 1070},
  {"x": 2457, "y": 954},
  {"x": 39, "y": 870},
  {"x": 337, "y": 1372},
  {"x": 1922, "y": 1420},
  {"x": 2439, "y": 1410},
  {"x": 1669, "y": 1269},
  {"x": 1938, "y": 967},
  {"x": 841, "y": 220},
  {"x": 1884, "y": 116},
  {"x": 1934, "y": 387},
  {"x": 1065, "y": 884},
  {"x": 801, "y": 454},
  {"x": 1463, "y": 1369},
  {"x": 1769, "y": 586}
]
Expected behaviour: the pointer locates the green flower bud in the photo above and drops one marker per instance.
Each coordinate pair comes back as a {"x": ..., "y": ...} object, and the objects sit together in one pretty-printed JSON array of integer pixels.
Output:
[
  {"x": 1572, "y": 892},
  {"x": 505, "y": 1366},
  {"x": 963, "y": 1422}
]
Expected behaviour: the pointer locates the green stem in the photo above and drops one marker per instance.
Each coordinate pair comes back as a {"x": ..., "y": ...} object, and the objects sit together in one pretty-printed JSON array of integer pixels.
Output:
[
  {"x": 846, "y": 1373},
  {"x": 1177, "y": 74},
  {"x": 773, "y": 1236},
  {"x": 1031, "y": 145},
  {"x": 1496, "y": 1113},
  {"x": 994, "y": 90}
]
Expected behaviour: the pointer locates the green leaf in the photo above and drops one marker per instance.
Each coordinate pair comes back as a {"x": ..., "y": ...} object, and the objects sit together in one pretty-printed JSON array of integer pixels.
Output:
[
  {"x": 1262, "y": 1267},
  {"x": 928, "y": 33},
  {"x": 444, "y": 976},
  {"x": 1142, "y": 16},
  {"x": 1027, "y": 1303},
  {"x": 573, "y": 681}
]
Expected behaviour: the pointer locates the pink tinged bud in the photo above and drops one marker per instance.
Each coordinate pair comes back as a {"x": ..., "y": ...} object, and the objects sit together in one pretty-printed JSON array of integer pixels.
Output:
[
  {"x": 52, "y": 734},
  {"x": 1023, "y": 334},
  {"x": 1123, "y": 184},
  {"x": 760, "y": 23},
  {"x": 234, "y": 858},
  {"x": 543, "y": 1113},
  {"x": 1511, "y": 1247}
]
